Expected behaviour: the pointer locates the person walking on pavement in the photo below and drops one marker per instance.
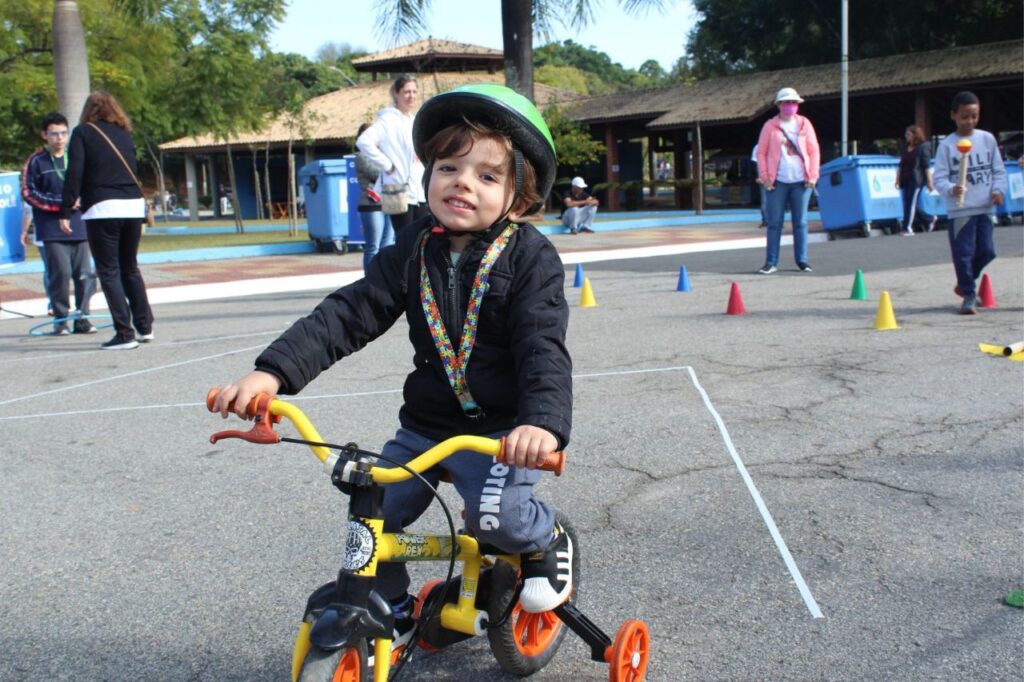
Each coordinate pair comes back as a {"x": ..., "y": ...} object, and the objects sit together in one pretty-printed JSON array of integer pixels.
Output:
[
  {"x": 388, "y": 143},
  {"x": 579, "y": 207},
  {"x": 788, "y": 164},
  {"x": 914, "y": 174},
  {"x": 102, "y": 177},
  {"x": 65, "y": 251},
  {"x": 377, "y": 229}
]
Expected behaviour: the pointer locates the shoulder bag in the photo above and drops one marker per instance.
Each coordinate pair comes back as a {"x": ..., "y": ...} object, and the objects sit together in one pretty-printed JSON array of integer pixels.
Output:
[{"x": 150, "y": 218}]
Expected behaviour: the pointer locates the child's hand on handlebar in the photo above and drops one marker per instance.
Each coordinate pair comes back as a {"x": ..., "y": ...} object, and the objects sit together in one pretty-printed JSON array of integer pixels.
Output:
[
  {"x": 526, "y": 446},
  {"x": 244, "y": 390}
]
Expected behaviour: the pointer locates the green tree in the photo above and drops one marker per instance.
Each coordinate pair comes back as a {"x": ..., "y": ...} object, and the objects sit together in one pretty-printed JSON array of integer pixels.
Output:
[
  {"x": 572, "y": 141},
  {"x": 734, "y": 36},
  {"x": 406, "y": 19}
]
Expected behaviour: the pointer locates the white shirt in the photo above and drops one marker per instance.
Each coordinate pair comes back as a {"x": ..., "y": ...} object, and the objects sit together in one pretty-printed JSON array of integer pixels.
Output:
[
  {"x": 791, "y": 165},
  {"x": 388, "y": 143}
]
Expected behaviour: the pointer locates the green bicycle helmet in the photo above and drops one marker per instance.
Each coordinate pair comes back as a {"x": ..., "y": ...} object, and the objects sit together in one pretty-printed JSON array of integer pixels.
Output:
[{"x": 500, "y": 108}]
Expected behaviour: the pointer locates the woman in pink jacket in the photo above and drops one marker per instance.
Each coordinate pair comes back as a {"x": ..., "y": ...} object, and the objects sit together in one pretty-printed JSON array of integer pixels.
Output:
[{"x": 788, "y": 162}]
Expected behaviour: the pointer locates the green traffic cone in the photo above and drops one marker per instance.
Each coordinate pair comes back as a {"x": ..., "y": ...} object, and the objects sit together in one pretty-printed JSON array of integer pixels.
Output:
[{"x": 860, "y": 291}]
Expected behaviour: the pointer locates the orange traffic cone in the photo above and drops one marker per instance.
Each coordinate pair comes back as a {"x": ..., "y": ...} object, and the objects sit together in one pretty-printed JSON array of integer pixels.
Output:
[
  {"x": 735, "y": 302},
  {"x": 985, "y": 296}
]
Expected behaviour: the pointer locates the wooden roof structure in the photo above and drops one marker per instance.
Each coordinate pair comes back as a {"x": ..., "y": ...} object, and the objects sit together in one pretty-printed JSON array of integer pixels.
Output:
[
  {"x": 432, "y": 54},
  {"x": 336, "y": 116},
  {"x": 745, "y": 97}
]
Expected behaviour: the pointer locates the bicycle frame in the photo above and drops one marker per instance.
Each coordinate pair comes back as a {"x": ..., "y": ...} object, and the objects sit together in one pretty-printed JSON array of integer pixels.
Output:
[{"x": 350, "y": 609}]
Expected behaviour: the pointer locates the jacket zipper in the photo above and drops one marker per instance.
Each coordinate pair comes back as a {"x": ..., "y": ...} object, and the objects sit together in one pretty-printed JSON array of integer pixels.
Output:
[{"x": 451, "y": 316}]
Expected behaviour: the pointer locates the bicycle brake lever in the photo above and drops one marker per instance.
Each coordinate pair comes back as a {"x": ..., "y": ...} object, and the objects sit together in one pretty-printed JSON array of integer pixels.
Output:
[{"x": 262, "y": 431}]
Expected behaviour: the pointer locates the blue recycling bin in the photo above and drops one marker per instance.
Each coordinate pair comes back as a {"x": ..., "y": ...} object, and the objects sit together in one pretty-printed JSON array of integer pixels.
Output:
[
  {"x": 331, "y": 190},
  {"x": 1013, "y": 203},
  {"x": 11, "y": 250},
  {"x": 859, "y": 192}
]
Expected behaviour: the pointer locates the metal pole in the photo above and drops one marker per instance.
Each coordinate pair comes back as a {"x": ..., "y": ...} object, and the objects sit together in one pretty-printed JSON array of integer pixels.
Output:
[{"x": 845, "y": 76}]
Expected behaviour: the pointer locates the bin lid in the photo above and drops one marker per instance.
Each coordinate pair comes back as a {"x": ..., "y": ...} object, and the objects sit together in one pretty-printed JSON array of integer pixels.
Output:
[
  {"x": 323, "y": 167},
  {"x": 859, "y": 161}
]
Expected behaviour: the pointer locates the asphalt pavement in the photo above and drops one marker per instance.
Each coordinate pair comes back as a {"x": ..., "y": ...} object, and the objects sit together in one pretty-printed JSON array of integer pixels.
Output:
[{"x": 788, "y": 494}]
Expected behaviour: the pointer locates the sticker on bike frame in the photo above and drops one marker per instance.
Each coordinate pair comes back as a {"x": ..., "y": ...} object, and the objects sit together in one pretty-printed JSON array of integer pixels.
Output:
[
  {"x": 360, "y": 546},
  {"x": 423, "y": 547}
]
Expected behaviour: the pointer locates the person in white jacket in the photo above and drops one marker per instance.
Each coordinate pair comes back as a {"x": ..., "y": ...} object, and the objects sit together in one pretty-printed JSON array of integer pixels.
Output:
[{"x": 388, "y": 143}]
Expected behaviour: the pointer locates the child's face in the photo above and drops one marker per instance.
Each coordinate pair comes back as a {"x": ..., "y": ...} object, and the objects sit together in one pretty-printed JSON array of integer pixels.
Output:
[
  {"x": 966, "y": 118},
  {"x": 469, "y": 191}
]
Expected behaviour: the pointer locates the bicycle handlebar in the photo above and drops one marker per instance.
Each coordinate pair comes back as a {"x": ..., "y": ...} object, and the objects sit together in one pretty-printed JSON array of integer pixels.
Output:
[{"x": 267, "y": 410}]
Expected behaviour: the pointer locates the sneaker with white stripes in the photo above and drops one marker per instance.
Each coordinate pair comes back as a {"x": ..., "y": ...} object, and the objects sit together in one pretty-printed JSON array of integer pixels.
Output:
[{"x": 547, "y": 575}]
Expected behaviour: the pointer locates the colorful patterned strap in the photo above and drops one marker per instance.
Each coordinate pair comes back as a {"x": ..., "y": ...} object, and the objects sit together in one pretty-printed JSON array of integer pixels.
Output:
[{"x": 455, "y": 365}]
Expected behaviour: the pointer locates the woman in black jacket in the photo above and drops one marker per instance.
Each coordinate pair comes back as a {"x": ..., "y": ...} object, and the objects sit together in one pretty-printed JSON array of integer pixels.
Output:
[
  {"x": 914, "y": 174},
  {"x": 102, "y": 181}
]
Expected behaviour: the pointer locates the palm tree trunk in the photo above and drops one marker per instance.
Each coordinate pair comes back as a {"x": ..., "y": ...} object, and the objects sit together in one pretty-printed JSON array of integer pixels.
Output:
[
  {"x": 256, "y": 183},
  {"x": 517, "y": 42},
  {"x": 237, "y": 214},
  {"x": 70, "y": 59}
]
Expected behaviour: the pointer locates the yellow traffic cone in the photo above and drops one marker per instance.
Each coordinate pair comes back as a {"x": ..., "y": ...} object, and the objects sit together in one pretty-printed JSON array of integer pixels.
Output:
[
  {"x": 885, "y": 319},
  {"x": 587, "y": 296}
]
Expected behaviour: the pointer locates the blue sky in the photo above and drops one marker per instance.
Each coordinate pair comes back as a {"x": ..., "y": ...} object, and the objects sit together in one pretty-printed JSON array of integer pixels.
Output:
[{"x": 628, "y": 40}]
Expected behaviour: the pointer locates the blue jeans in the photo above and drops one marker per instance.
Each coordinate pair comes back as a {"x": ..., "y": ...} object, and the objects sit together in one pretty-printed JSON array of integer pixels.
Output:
[
  {"x": 501, "y": 508},
  {"x": 764, "y": 203},
  {"x": 970, "y": 240},
  {"x": 377, "y": 232},
  {"x": 796, "y": 196}
]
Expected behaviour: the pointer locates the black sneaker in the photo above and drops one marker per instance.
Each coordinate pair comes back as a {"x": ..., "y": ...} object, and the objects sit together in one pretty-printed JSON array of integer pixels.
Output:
[
  {"x": 804, "y": 267},
  {"x": 586, "y": 230},
  {"x": 145, "y": 338},
  {"x": 767, "y": 269},
  {"x": 120, "y": 343},
  {"x": 60, "y": 330},
  {"x": 547, "y": 575},
  {"x": 84, "y": 327}
]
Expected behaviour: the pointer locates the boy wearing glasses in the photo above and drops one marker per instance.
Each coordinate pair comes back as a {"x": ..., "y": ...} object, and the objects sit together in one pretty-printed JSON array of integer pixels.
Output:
[{"x": 66, "y": 251}]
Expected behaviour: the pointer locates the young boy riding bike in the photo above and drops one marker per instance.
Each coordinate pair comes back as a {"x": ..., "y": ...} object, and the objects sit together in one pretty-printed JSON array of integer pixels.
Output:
[{"x": 472, "y": 282}]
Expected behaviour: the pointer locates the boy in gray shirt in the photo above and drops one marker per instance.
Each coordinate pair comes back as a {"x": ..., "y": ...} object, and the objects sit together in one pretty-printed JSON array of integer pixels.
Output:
[{"x": 970, "y": 205}]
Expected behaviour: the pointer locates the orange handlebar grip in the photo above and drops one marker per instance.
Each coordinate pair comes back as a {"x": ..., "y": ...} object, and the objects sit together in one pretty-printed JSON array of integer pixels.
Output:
[
  {"x": 250, "y": 409},
  {"x": 554, "y": 462}
]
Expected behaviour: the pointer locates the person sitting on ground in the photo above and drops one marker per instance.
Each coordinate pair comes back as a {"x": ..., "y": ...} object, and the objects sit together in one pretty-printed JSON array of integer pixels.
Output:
[
  {"x": 65, "y": 250},
  {"x": 470, "y": 262},
  {"x": 580, "y": 207}
]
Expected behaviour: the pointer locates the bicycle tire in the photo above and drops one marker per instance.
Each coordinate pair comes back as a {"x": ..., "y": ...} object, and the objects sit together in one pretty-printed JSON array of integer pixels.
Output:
[
  {"x": 527, "y": 641},
  {"x": 339, "y": 665}
]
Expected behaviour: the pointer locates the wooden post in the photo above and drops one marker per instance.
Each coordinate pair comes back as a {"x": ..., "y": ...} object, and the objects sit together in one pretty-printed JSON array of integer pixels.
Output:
[
  {"x": 922, "y": 116},
  {"x": 681, "y": 168},
  {"x": 612, "y": 167},
  {"x": 698, "y": 171}
]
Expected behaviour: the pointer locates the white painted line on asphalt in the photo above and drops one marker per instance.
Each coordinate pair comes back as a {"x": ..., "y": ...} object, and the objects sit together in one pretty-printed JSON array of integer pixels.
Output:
[
  {"x": 330, "y": 281},
  {"x": 572, "y": 258},
  {"x": 47, "y": 357},
  {"x": 165, "y": 406},
  {"x": 805, "y": 592},
  {"x": 787, "y": 558},
  {"x": 117, "y": 377}
]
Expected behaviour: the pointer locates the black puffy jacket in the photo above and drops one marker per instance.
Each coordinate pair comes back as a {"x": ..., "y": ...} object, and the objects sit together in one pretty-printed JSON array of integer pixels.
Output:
[{"x": 519, "y": 369}]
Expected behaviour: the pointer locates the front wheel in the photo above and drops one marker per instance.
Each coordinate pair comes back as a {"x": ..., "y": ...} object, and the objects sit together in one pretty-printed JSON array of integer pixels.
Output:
[
  {"x": 526, "y": 642},
  {"x": 341, "y": 665}
]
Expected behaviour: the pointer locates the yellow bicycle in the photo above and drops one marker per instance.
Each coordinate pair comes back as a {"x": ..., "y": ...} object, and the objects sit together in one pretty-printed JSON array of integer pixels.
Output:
[{"x": 341, "y": 616}]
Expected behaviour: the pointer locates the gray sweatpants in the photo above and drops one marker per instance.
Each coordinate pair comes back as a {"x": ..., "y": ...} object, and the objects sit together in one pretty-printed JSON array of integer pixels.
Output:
[{"x": 501, "y": 508}]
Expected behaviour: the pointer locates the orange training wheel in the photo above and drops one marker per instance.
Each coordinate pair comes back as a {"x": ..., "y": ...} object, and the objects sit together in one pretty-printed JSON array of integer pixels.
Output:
[{"x": 627, "y": 656}]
